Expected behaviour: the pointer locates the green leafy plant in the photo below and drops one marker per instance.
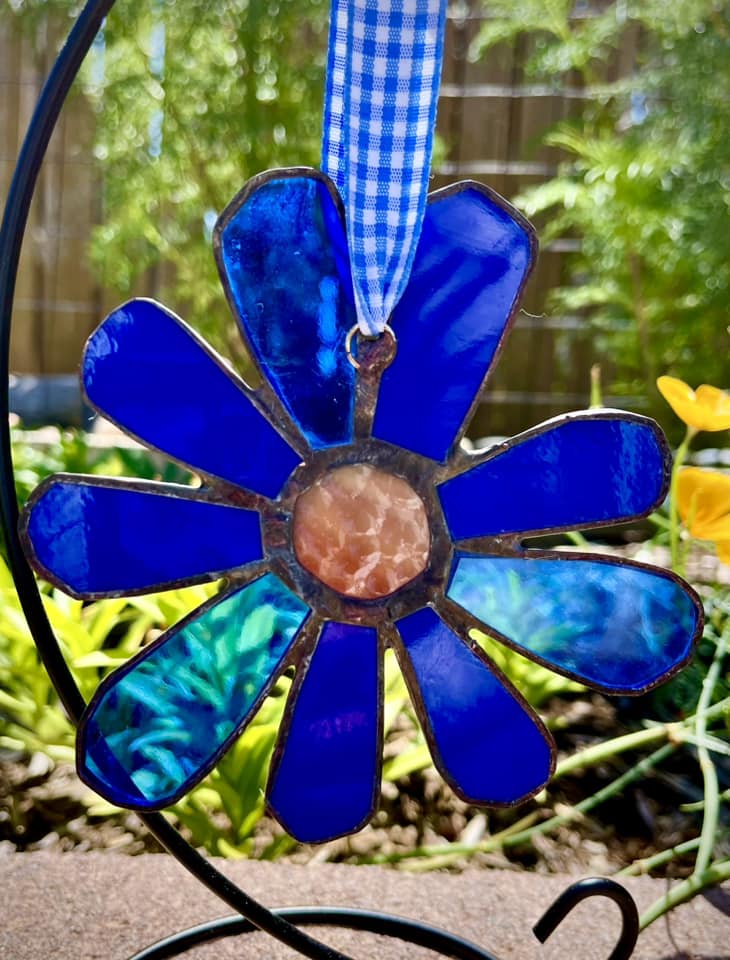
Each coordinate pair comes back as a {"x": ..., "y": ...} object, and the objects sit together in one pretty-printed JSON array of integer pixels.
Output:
[
  {"x": 94, "y": 639},
  {"x": 190, "y": 100},
  {"x": 38, "y": 454},
  {"x": 644, "y": 183},
  {"x": 220, "y": 814}
]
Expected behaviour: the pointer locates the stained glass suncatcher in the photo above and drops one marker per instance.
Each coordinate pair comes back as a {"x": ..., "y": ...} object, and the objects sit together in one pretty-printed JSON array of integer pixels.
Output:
[{"x": 346, "y": 518}]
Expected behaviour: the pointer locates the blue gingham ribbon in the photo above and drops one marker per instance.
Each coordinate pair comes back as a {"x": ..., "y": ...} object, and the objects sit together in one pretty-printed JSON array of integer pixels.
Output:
[{"x": 383, "y": 76}]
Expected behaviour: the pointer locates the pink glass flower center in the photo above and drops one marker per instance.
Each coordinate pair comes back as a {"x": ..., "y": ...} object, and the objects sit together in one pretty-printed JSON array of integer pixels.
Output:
[{"x": 361, "y": 531}]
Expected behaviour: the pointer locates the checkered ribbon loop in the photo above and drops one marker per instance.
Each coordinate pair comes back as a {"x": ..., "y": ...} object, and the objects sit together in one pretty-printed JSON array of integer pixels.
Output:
[{"x": 383, "y": 76}]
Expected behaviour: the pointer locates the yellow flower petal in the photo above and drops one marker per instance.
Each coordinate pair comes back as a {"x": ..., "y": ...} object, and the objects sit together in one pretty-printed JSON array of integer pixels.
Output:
[
  {"x": 717, "y": 530},
  {"x": 705, "y": 409},
  {"x": 723, "y": 551},
  {"x": 716, "y": 403},
  {"x": 703, "y": 502},
  {"x": 679, "y": 395}
]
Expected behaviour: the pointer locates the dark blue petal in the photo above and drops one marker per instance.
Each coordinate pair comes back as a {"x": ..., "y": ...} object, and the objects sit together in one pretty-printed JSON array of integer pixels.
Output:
[
  {"x": 575, "y": 473},
  {"x": 326, "y": 780},
  {"x": 102, "y": 538},
  {"x": 486, "y": 743},
  {"x": 471, "y": 263},
  {"x": 616, "y": 626},
  {"x": 160, "y": 722},
  {"x": 144, "y": 369},
  {"x": 282, "y": 252}
]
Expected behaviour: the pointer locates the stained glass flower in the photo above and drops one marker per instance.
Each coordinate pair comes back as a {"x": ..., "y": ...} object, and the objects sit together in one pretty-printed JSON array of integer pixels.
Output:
[{"x": 346, "y": 517}]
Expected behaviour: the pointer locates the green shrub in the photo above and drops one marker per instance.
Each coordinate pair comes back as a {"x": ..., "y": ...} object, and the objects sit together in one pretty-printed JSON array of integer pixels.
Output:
[{"x": 644, "y": 182}]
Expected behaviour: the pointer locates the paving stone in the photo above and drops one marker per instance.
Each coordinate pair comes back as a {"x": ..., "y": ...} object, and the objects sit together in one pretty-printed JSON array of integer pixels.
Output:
[{"x": 105, "y": 906}]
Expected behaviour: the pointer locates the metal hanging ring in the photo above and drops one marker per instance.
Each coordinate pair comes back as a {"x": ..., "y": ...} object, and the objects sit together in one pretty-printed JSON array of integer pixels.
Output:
[{"x": 351, "y": 333}]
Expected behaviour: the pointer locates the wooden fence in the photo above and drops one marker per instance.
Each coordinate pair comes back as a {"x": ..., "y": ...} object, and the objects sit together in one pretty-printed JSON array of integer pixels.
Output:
[
  {"x": 492, "y": 119},
  {"x": 57, "y": 298}
]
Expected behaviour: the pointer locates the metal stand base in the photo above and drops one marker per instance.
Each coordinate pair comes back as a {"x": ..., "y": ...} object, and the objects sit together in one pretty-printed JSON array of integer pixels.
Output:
[
  {"x": 410, "y": 931},
  {"x": 285, "y": 925},
  {"x": 381, "y": 923}
]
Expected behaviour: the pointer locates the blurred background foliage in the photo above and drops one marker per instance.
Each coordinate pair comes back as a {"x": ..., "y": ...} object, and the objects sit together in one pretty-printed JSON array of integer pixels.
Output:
[
  {"x": 645, "y": 184},
  {"x": 191, "y": 100}
]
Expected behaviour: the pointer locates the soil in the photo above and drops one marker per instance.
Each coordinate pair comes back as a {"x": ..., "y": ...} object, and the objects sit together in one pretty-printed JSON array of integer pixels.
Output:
[{"x": 44, "y": 806}]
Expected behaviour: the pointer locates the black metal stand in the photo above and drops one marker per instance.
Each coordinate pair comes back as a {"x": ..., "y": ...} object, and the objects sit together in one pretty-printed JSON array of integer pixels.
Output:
[{"x": 285, "y": 925}]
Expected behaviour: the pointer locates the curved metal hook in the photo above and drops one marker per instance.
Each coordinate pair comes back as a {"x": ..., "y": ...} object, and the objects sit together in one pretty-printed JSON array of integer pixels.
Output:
[{"x": 594, "y": 887}]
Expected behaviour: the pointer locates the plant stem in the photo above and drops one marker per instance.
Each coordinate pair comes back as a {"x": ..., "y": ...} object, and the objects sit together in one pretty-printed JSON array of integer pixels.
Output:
[
  {"x": 642, "y": 326},
  {"x": 705, "y": 872},
  {"x": 596, "y": 391},
  {"x": 524, "y": 828},
  {"x": 648, "y": 864},
  {"x": 616, "y": 786},
  {"x": 514, "y": 836},
  {"x": 685, "y": 890},
  {"x": 700, "y": 804},
  {"x": 659, "y": 521},
  {"x": 450, "y": 851},
  {"x": 609, "y": 748},
  {"x": 718, "y": 709},
  {"x": 576, "y": 538},
  {"x": 709, "y": 772},
  {"x": 679, "y": 459}
]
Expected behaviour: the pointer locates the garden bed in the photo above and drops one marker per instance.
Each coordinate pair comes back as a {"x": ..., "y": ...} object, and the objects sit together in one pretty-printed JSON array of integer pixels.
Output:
[{"x": 43, "y": 806}]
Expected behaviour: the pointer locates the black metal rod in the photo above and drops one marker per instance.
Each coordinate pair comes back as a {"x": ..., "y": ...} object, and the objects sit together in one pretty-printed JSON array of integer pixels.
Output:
[
  {"x": 386, "y": 925},
  {"x": 253, "y": 915},
  {"x": 593, "y": 887},
  {"x": 15, "y": 218},
  {"x": 413, "y": 931}
]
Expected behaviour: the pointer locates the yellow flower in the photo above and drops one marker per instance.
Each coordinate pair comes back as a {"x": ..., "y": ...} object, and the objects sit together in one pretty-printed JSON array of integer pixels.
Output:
[
  {"x": 723, "y": 551},
  {"x": 703, "y": 500},
  {"x": 706, "y": 408}
]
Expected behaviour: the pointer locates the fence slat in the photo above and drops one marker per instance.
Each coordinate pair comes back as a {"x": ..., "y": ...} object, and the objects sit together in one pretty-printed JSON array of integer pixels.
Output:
[{"x": 491, "y": 118}]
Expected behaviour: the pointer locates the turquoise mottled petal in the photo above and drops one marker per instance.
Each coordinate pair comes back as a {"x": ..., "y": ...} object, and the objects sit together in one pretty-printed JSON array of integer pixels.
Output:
[
  {"x": 613, "y": 625},
  {"x": 159, "y": 723}
]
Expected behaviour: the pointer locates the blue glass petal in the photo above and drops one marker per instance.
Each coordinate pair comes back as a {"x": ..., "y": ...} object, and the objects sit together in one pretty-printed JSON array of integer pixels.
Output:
[
  {"x": 160, "y": 722},
  {"x": 615, "y": 626},
  {"x": 487, "y": 744},
  {"x": 106, "y": 538},
  {"x": 145, "y": 370},
  {"x": 283, "y": 254},
  {"x": 471, "y": 262},
  {"x": 326, "y": 780},
  {"x": 569, "y": 474}
]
